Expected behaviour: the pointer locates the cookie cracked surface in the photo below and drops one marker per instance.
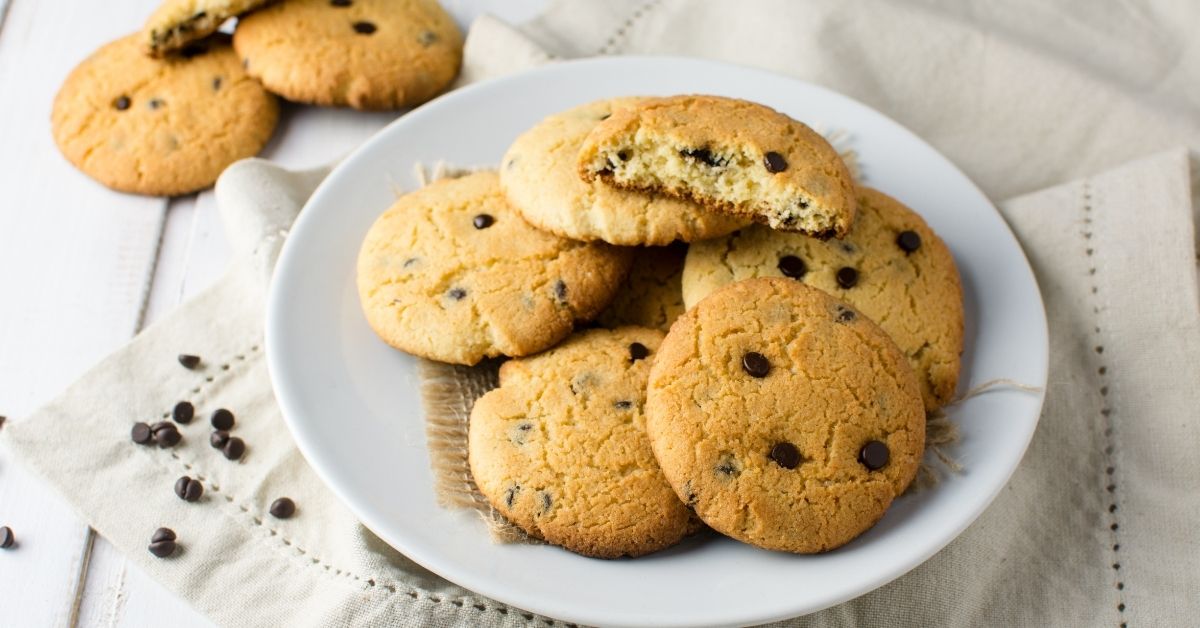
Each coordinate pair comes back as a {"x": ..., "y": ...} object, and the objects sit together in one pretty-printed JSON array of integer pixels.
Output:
[
  {"x": 452, "y": 273},
  {"x": 730, "y": 155},
  {"x": 783, "y": 417},
  {"x": 560, "y": 447},
  {"x": 891, "y": 267}
]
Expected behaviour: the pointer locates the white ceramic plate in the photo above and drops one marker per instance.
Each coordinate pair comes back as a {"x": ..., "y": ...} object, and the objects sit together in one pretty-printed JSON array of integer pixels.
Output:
[{"x": 352, "y": 402}]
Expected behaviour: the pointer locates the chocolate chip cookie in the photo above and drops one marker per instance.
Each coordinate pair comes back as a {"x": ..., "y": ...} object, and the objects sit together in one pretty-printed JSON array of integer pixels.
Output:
[
  {"x": 891, "y": 267},
  {"x": 730, "y": 155},
  {"x": 783, "y": 416},
  {"x": 452, "y": 273},
  {"x": 177, "y": 23},
  {"x": 560, "y": 448}
]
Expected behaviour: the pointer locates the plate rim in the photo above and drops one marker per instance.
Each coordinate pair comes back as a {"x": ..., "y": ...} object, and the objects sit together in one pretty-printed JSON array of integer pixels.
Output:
[{"x": 480, "y": 586}]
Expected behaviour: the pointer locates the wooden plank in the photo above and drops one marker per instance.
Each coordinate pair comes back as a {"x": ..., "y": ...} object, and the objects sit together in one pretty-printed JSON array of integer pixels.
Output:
[{"x": 75, "y": 260}]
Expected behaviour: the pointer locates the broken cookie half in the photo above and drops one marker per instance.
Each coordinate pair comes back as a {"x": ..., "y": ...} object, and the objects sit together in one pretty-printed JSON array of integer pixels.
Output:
[{"x": 730, "y": 155}]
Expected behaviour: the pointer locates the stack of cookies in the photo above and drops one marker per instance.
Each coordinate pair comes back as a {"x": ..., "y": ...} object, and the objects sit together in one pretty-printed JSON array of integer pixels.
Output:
[
  {"x": 164, "y": 111},
  {"x": 707, "y": 323}
]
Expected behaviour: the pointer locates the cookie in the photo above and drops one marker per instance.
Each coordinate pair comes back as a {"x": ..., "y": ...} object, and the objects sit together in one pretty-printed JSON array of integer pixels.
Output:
[
  {"x": 730, "y": 155},
  {"x": 784, "y": 417},
  {"x": 652, "y": 294},
  {"x": 161, "y": 126},
  {"x": 177, "y": 23},
  {"x": 891, "y": 266},
  {"x": 540, "y": 177},
  {"x": 452, "y": 273},
  {"x": 560, "y": 448},
  {"x": 366, "y": 54}
]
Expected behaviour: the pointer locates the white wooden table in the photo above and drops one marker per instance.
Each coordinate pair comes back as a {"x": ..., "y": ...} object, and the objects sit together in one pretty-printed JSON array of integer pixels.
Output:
[{"x": 82, "y": 269}]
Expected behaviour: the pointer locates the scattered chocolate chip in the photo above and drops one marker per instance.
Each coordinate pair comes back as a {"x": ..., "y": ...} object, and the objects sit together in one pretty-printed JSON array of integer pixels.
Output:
[
  {"x": 7, "y": 538},
  {"x": 456, "y": 294},
  {"x": 222, "y": 419},
  {"x": 162, "y": 543},
  {"x": 188, "y": 489},
  {"x": 844, "y": 314},
  {"x": 908, "y": 241},
  {"x": 604, "y": 172},
  {"x": 785, "y": 455},
  {"x": 410, "y": 261},
  {"x": 623, "y": 155},
  {"x": 141, "y": 433},
  {"x": 189, "y": 361},
  {"x": 637, "y": 351},
  {"x": 364, "y": 28},
  {"x": 605, "y": 117},
  {"x": 193, "y": 50},
  {"x": 520, "y": 433},
  {"x": 756, "y": 364},
  {"x": 704, "y": 156},
  {"x": 728, "y": 467},
  {"x": 155, "y": 103},
  {"x": 847, "y": 277},
  {"x": 483, "y": 221},
  {"x": 623, "y": 404},
  {"x": 874, "y": 455},
  {"x": 511, "y": 494},
  {"x": 546, "y": 500},
  {"x": 341, "y": 3},
  {"x": 283, "y": 508},
  {"x": 560, "y": 291},
  {"x": 792, "y": 266},
  {"x": 847, "y": 247},
  {"x": 183, "y": 412},
  {"x": 165, "y": 434},
  {"x": 803, "y": 203},
  {"x": 218, "y": 439},
  {"x": 216, "y": 83},
  {"x": 426, "y": 38},
  {"x": 774, "y": 162},
  {"x": 121, "y": 103},
  {"x": 234, "y": 448}
]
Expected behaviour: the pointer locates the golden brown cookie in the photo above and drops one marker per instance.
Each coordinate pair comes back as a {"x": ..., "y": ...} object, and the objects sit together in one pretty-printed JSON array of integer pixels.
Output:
[
  {"x": 452, "y": 273},
  {"x": 161, "y": 126},
  {"x": 651, "y": 295},
  {"x": 560, "y": 448},
  {"x": 366, "y": 54},
  {"x": 785, "y": 418},
  {"x": 177, "y": 23},
  {"x": 891, "y": 266},
  {"x": 729, "y": 155},
  {"x": 540, "y": 177}
]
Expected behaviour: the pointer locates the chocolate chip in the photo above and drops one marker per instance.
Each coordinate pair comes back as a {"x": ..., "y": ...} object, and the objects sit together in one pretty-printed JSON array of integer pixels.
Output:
[
  {"x": 189, "y": 361},
  {"x": 624, "y": 404},
  {"x": 456, "y": 294},
  {"x": 364, "y": 28},
  {"x": 427, "y": 38},
  {"x": 511, "y": 494},
  {"x": 234, "y": 448},
  {"x": 222, "y": 419},
  {"x": 193, "y": 50},
  {"x": 847, "y": 277},
  {"x": 155, "y": 103},
  {"x": 183, "y": 412},
  {"x": 141, "y": 433},
  {"x": 546, "y": 501},
  {"x": 560, "y": 291},
  {"x": 623, "y": 155},
  {"x": 165, "y": 434},
  {"x": 410, "y": 261},
  {"x": 218, "y": 439},
  {"x": 785, "y": 455},
  {"x": 756, "y": 364},
  {"x": 7, "y": 538},
  {"x": 774, "y": 162},
  {"x": 908, "y": 241},
  {"x": 792, "y": 266},
  {"x": 121, "y": 103},
  {"x": 483, "y": 221},
  {"x": 162, "y": 543},
  {"x": 341, "y": 3},
  {"x": 874, "y": 455},
  {"x": 605, "y": 117},
  {"x": 637, "y": 351},
  {"x": 188, "y": 489},
  {"x": 728, "y": 467},
  {"x": 704, "y": 156},
  {"x": 283, "y": 508},
  {"x": 216, "y": 83},
  {"x": 844, "y": 314}
]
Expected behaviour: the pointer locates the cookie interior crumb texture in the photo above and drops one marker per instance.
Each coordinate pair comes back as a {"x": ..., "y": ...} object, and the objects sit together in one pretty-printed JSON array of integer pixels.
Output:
[
  {"x": 730, "y": 155},
  {"x": 560, "y": 447},
  {"x": 785, "y": 423},
  {"x": 176, "y": 23}
]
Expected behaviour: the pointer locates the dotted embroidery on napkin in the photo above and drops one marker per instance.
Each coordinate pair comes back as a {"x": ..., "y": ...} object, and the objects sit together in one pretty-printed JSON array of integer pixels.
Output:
[
  {"x": 1105, "y": 409},
  {"x": 249, "y": 515},
  {"x": 618, "y": 37}
]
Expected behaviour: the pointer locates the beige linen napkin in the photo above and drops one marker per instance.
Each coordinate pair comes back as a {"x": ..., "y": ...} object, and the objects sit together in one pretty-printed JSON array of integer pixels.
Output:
[{"x": 1094, "y": 528}]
